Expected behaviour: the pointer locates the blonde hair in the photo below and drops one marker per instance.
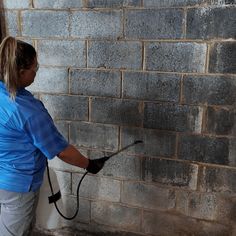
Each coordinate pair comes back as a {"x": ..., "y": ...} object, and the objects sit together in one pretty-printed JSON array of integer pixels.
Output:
[{"x": 14, "y": 55}]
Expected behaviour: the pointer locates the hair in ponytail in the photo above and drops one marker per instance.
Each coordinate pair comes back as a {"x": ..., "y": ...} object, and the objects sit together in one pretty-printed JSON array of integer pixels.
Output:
[{"x": 14, "y": 56}]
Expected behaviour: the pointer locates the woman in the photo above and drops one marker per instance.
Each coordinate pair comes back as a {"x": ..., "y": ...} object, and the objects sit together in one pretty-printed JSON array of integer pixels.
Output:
[{"x": 28, "y": 137}]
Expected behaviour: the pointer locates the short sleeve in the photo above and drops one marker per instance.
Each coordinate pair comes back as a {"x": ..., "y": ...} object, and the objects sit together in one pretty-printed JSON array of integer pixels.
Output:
[{"x": 44, "y": 135}]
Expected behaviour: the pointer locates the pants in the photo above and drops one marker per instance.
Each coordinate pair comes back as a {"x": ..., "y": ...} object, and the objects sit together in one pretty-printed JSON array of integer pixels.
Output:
[{"x": 17, "y": 212}]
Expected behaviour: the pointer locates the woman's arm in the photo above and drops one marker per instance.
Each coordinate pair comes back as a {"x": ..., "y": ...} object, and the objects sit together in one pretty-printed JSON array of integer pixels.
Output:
[{"x": 72, "y": 156}]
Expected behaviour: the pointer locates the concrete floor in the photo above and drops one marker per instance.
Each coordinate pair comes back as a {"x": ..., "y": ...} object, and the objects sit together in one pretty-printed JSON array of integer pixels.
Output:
[
  {"x": 75, "y": 232},
  {"x": 64, "y": 232},
  {"x": 69, "y": 232}
]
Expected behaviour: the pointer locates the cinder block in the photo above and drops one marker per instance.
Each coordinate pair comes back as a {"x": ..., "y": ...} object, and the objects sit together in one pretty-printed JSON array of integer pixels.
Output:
[
  {"x": 211, "y": 23},
  {"x": 115, "y": 54},
  {"x": 45, "y": 24},
  {"x": 95, "y": 83},
  {"x": 123, "y": 166},
  {"x": 208, "y": 206},
  {"x": 223, "y": 57},
  {"x": 16, "y": 4},
  {"x": 226, "y": 213},
  {"x": 113, "y": 3},
  {"x": 64, "y": 107},
  {"x": 63, "y": 128},
  {"x": 161, "y": 223},
  {"x": 176, "y": 57},
  {"x": 142, "y": 24},
  {"x": 11, "y": 19},
  {"x": 170, "y": 172},
  {"x": 62, "y": 53},
  {"x": 64, "y": 182},
  {"x": 69, "y": 206},
  {"x": 51, "y": 80},
  {"x": 97, "y": 188},
  {"x": 198, "y": 205},
  {"x": 147, "y": 196},
  {"x": 58, "y": 4},
  {"x": 222, "y": 2},
  {"x": 116, "y": 111},
  {"x": 96, "y": 24},
  {"x": 116, "y": 215},
  {"x": 173, "y": 117},
  {"x": 172, "y": 3},
  {"x": 204, "y": 149},
  {"x": 212, "y": 90},
  {"x": 151, "y": 86},
  {"x": 229, "y": 215},
  {"x": 155, "y": 143},
  {"x": 232, "y": 151},
  {"x": 219, "y": 180},
  {"x": 97, "y": 136},
  {"x": 220, "y": 121}
]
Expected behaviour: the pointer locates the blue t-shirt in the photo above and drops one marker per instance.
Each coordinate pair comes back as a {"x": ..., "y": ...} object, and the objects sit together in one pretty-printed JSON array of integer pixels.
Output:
[{"x": 27, "y": 137}]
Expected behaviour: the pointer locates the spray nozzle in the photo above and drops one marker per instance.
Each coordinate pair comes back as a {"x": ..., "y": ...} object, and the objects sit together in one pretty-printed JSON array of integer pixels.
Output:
[{"x": 124, "y": 148}]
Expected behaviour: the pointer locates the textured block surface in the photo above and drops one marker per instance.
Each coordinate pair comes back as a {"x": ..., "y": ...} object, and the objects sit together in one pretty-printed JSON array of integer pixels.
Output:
[
  {"x": 151, "y": 86},
  {"x": 142, "y": 24},
  {"x": 66, "y": 107},
  {"x": 120, "y": 55},
  {"x": 94, "y": 24},
  {"x": 116, "y": 111},
  {"x": 116, "y": 215},
  {"x": 176, "y": 57},
  {"x": 204, "y": 149},
  {"x": 169, "y": 172},
  {"x": 113, "y": 3},
  {"x": 212, "y": 90},
  {"x": 39, "y": 24},
  {"x": 51, "y": 80},
  {"x": 95, "y": 82},
  {"x": 223, "y": 58},
  {"x": 62, "y": 53},
  {"x": 155, "y": 143},
  {"x": 214, "y": 22},
  {"x": 86, "y": 135},
  {"x": 172, "y": 3},
  {"x": 58, "y": 4},
  {"x": 148, "y": 196},
  {"x": 172, "y": 117},
  {"x": 16, "y": 4}
]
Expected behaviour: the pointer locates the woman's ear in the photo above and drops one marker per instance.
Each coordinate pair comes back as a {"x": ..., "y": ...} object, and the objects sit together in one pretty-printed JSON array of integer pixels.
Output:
[{"x": 21, "y": 73}]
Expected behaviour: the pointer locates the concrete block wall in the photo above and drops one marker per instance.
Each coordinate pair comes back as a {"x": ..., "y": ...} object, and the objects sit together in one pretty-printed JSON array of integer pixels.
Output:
[{"x": 163, "y": 71}]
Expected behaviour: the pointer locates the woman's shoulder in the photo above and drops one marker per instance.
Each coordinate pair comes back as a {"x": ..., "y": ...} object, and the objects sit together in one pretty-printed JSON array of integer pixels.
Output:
[{"x": 29, "y": 105}]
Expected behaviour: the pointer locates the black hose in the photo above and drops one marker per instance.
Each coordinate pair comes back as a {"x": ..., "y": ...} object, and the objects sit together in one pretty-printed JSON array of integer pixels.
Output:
[
  {"x": 77, "y": 196},
  {"x": 78, "y": 187}
]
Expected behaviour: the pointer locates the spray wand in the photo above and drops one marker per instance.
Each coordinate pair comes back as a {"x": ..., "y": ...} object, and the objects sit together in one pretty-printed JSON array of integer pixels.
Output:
[{"x": 55, "y": 197}]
